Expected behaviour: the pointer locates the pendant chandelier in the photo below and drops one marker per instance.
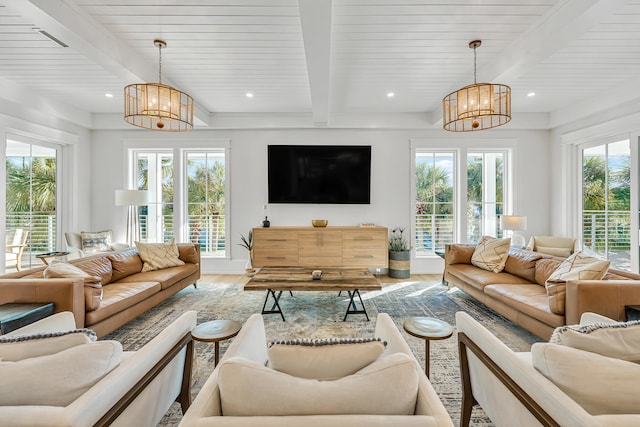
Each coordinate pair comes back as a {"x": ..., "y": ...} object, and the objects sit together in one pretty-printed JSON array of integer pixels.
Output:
[
  {"x": 156, "y": 106},
  {"x": 478, "y": 106}
]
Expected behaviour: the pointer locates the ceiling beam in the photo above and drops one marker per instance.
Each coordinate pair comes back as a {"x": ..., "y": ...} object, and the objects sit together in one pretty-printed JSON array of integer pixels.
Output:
[
  {"x": 565, "y": 22},
  {"x": 69, "y": 23},
  {"x": 315, "y": 17}
]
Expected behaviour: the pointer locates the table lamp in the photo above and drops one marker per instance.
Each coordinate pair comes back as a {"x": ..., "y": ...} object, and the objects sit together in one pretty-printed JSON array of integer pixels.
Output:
[
  {"x": 132, "y": 199},
  {"x": 514, "y": 223}
]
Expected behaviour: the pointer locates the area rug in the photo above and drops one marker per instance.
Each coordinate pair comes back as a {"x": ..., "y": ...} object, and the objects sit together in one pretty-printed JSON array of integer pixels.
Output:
[{"x": 320, "y": 314}]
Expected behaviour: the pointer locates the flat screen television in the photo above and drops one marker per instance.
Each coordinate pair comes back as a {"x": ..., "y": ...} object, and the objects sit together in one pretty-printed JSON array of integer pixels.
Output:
[{"x": 337, "y": 174}]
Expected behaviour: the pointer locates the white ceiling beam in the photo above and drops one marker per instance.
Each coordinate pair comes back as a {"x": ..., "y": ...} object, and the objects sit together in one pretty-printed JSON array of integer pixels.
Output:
[
  {"x": 315, "y": 17},
  {"x": 70, "y": 24},
  {"x": 567, "y": 21},
  {"x": 22, "y": 101}
]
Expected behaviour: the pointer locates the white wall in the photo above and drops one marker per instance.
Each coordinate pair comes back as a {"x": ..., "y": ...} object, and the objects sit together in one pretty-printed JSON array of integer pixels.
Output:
[{"x": 391, "y": 202}]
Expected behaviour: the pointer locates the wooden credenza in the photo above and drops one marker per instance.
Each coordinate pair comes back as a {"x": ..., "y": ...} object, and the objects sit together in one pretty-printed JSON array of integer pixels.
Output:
[{"x": 363, "y": 247}]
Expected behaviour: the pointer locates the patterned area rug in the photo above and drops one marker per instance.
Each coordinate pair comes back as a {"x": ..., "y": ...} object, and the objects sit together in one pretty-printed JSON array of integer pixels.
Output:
[{"x": 319, "y": 314}]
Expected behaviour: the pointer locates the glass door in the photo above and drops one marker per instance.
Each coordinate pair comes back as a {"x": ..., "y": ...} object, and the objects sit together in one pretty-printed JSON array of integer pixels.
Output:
[
  {"x": 606, "y": 202},
  {"x": 31, "y": 203}
]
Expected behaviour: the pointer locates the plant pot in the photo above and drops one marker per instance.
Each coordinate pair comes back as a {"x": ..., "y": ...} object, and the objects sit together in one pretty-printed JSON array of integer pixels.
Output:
[{"x": 399, "y": 263}]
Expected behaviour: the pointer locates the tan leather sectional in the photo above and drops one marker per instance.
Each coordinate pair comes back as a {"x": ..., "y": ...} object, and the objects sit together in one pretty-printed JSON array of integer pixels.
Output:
[
  {"x": 519, "y": 293},
  {"x": 122, "y": 294}
]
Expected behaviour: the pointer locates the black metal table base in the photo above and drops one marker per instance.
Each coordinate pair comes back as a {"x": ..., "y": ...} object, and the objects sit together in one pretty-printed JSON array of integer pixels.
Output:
[
  {"x": 352, "y": 303},
  {"x": 275, "y": 308},
  {"x": 352, "y": 308}
]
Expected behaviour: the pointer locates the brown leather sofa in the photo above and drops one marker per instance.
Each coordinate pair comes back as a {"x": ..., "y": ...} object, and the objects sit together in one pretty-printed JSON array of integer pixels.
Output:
[
  {"x": 119, "y": 293},
  {"x": 519, "y": 293}
]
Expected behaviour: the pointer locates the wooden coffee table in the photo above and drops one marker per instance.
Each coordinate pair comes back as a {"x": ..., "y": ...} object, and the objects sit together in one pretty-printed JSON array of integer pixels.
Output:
[{"x": 276, "y": 280}]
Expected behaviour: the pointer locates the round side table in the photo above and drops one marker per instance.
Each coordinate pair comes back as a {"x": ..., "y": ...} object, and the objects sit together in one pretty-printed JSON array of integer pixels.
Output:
[
  {"x": 428, "y": 329},
  {"x": 215, "y": 331}
]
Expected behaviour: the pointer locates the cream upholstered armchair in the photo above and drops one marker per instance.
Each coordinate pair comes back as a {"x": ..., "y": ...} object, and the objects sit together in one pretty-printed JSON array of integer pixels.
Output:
[
  {"x": 552, "y": 245},
  {"x": 97, "y": 383},
  {"x": 89, "y": 243}
]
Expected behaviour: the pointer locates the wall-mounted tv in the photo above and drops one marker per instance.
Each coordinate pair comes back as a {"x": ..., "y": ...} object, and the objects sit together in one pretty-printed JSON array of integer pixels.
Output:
[{"x": 339, "y": 174}]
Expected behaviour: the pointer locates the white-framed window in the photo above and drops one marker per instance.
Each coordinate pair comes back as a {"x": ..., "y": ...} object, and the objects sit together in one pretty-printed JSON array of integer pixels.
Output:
[
  {"x": 459, "y": 194},
  {"x": 606, "y": 202},
  {"x": 486, "y": 196},
  {"x": 206, "y": 196},
  {"x": 188, "y": 198},
  {"x": 435, "y": 200}
]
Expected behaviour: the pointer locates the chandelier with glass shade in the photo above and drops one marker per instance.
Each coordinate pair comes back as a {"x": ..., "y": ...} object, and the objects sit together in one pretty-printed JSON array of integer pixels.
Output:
[
  {"x": 477, "y": 106},
  {"x": 157, "y": 106}
]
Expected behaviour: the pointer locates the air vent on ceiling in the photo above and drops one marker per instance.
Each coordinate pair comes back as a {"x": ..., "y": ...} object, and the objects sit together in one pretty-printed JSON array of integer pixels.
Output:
[{"x": 50, "y": 37}]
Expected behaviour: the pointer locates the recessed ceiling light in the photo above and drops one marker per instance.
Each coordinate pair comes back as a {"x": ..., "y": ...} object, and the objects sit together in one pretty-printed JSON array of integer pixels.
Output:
[
  {"x": 530, "y": 94},
  {"x": 249, "y": 95},
  {"x": 108, "y": 95},
  {"x": 390, "y": 94}
]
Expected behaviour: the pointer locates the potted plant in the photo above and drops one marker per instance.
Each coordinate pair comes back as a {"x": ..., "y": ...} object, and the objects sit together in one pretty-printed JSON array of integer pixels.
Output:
[
  {"x": 247, "y": 243},
  {"x": 399, "y": 254}
]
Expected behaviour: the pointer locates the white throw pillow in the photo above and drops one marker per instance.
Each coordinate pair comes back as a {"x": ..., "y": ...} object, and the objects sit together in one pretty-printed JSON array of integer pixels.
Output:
[
  {"x": 63, "y": 270},
  {"x": 388, "y": 386},
  {"x": 19, "y": 347},
  {"x": 577, "y": 267},
  {"x": 324, "y": 359},
  {"x": 601, "y": 385},
  {"x": 156, "y": 256},
  {"x": 620, "y": 340},
  {"x": 57, "y": 379},
  {"x": 491, "y": 253}
]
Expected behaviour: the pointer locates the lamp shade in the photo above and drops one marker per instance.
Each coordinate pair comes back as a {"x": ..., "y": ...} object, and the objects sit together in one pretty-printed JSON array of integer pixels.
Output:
[
  {"x": 513, "y": 222},
  {"x": 132, "y": 197}
]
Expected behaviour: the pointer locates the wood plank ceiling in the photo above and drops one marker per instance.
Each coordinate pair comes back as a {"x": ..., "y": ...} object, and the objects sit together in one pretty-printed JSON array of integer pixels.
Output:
[{"x": 323, "y": 59}]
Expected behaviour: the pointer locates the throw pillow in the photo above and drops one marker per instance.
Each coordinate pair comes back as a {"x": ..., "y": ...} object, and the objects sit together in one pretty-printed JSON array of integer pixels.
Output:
[
  {"x": 98, "y": 241},
  {"x": 92, "y": 284},
  {"x": 18, "y": 347},
  {"x": 577, "y": 267},
  {"x": 323, "y": 359},
  {"x": 388, "y": 386},
  {"x": 491, "y": 253},
  {"x": 620, "y": 340},
  {"x": 57, "y": 379},
  {"x": 601, "y": 385},
  {"x": 156, "y": 256},
  {"x": 64, "y": 270}
]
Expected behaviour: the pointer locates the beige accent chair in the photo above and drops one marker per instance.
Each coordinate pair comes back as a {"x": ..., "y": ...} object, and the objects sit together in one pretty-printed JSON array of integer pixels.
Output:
[
  {"x": 138, "y": 392},
  {"x": 251, "y": 344},
  {"x": 511, "y": 391},
  {"x": 552, "y": 245},
  {"x": 16, "y": 242},
  {"x": 74, "y": 245}
]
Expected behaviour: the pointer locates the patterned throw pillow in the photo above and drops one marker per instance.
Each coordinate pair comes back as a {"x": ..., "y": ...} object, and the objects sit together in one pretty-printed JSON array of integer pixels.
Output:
[
  {"x": 491, "y": 254},
  {"x": 19, "y": 347},
  {"x": 620, "y": 340},
  {"x": 577, "y": 267},
  {"x": 93, "y": 242},
  {"x": 324, "y": 359},
  {"x": 156, "y": 256}
]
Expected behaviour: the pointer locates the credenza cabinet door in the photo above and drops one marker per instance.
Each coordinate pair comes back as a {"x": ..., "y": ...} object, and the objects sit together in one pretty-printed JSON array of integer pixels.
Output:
[
  {"x": 275, "y": 248},
  {"x": 365, "y": 248}
]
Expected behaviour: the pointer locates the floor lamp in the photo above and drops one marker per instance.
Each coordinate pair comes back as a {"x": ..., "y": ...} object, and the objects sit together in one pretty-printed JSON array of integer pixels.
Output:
[
  {"x": 514, "y": 223},
  {"x": 132, "y": 199}
]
